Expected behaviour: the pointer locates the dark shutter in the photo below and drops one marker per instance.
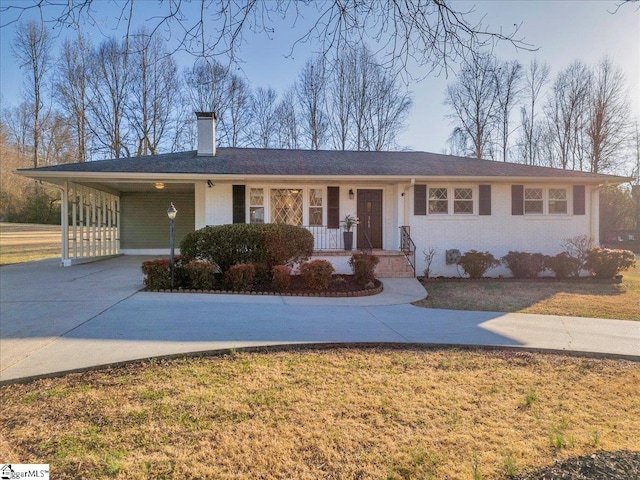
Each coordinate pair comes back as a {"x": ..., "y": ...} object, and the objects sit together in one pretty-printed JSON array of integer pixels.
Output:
[
  {"x": 517, "y": 199},
  {"x": 484, "y": 203},
  {"x": 333, "y": 207},
  {"x": 579, "y": 200},
  {"x": 420, "y": 200},
  {"x": 239, "y": 207}
]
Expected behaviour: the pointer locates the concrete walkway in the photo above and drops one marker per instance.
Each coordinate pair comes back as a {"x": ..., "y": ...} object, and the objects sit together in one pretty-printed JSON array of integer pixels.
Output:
[{"x": 55, "y": 319}]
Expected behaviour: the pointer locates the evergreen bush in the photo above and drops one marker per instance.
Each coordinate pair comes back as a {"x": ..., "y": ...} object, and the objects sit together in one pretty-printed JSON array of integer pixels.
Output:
[
  {"x": 607, "y": 263},
  {"x": 524, "y": 264},
  {"x": 475, "y": 263},
  {"x": 363, "y": 266},
  {"x": 317, "y": 274}
]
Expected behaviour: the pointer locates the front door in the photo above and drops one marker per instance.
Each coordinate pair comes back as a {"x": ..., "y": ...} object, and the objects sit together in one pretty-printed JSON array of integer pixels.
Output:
[{"x": 370, "y": 216}]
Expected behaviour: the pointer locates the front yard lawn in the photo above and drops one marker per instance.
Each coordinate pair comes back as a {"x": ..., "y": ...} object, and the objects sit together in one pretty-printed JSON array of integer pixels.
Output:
[
  {"x": 339, "y": 413},
  {"x": 580, "y": 298}
]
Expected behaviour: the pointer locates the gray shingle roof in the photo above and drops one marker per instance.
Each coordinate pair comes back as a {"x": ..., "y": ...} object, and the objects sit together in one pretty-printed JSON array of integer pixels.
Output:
[{"x": 256, "y": 161}]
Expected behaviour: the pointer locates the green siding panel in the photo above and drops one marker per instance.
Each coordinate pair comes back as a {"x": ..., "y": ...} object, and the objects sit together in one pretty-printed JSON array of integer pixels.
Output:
[{"x": 144, "y": 222}]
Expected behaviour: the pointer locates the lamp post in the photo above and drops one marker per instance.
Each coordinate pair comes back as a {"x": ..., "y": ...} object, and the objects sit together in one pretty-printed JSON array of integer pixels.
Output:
[{"x": 171, "y": 213}]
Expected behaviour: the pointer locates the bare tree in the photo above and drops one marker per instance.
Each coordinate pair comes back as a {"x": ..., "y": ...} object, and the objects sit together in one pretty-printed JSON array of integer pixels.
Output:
[
  {"x": 430, "y": 33},
  {"x": 58, "y": 145},
  {"x": 567, "y": 114},
  {"x": 208, "y": 89},
  {"x": 339, "y": 104},
  {"x": 508, "y": 91},
  {"x": 535, "y": 78},
  {"x": 359, "y": 77},
  {"x": 32, "y": 49},
  {"x": 264, "y": 123},
  {"x": 287, "y": 121},
  {"x": 72, "y": 89},
  {"x": 366, "y": 106},
  {"x": 155, "y": 92},
  {"x": 607, "y": 128},
  {"x": 239, "y": 111},
  {"x": 473, "y": 101},
  {"x": 311, "y": 90},
  {"x": 389, "y": 108},
  {"x": 18, "y": 125},
  {"x": 108, "y": 87}
]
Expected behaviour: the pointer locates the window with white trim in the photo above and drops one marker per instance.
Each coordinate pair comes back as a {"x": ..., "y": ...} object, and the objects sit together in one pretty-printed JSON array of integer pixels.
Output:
[
  {"x": 463, "y": 201},
  {"x": 315, "y": 206},
  {"x": 256, "y": 205},
  {"x": 286, "y": 206},
  {"x": 533, "y": 201},
  {"x": 438, "y": 200},
  {"x": 557, "y": 201}
]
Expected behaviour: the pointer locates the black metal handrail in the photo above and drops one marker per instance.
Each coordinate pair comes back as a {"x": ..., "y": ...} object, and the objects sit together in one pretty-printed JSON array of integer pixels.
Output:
[
  {"x": 408, "y": 247},
  {"x": 369, "y": 246}
]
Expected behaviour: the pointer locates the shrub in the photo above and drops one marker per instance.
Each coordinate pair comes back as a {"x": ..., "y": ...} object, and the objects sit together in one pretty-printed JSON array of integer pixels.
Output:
[
  {"x": 363, "y": 266},
  {"x": 224, "y": 245},
  {"x": 285, "y": 244},
  {"x": 607, "y": 263},
  {"x": 227, "y": 245},
  {"x": 281, "y": 277},
  {"x": 475, "y": 263},
  {"x": 202, "y": 275},
  {"x": 562, "y": 265},
  {"x": 158, "y": 273},
  {"x": 578, "y": 247},
  {"x": 263, "y": 274},
  {"x": 429, "y": 256},
  {"x": 317, "y": 274},
  {"x": 241, "y": 276},
  {"x": 524, "y": 264}
]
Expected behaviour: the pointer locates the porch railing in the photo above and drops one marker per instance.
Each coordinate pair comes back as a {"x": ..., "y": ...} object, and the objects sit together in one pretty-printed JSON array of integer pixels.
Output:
[
  {"x": 325, "y": 238},
  {"x": 408, "y": 247}
]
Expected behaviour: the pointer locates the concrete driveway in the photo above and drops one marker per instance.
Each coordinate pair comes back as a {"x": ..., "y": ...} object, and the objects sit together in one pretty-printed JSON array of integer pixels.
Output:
[{"x": 55, "y": 319}]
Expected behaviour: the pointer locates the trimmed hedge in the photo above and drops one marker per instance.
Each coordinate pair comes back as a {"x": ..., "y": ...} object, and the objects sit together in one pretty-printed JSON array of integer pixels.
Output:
[
  {"x": 270, "y": 244},
  {"x": 158, "y": 273},
  {"x": 363, "y": 266},
  {"x": 607, "y": 263},
  {"x": 317, "y": 274},
  {"x": 281, "y": 275},
  {"x": 241, "y": 277},
  {"x": 475, "y": 263},
  {"x": 563, "y": 265},
  {"x": 202, "y": 275},
  {"x": 524, "y": 264}
]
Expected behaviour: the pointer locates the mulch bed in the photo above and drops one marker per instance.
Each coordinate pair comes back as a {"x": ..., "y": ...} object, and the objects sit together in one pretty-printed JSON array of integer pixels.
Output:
[
  {"x": 526, "y": 280},
  {"x": 340, "y": 286},
  {"x": 620, "y": 465}
]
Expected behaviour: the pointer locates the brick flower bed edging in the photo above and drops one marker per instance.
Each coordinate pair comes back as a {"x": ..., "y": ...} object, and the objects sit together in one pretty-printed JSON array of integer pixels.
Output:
[{"x": 307, "y": 293}]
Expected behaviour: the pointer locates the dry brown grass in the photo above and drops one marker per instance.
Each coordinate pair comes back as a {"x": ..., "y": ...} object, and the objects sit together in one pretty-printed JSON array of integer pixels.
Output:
[
  {"x": 345, "y": 413},
  {"x": 27, "y": 242},
  {"x": 581, "y": 298}
]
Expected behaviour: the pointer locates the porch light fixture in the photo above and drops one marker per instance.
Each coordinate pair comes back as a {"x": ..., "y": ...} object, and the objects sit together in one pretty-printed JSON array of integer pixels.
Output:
[
  {"x": 159, "y": 185},
  {"x": 171, "y": 213},
  {"x": 351, "y": 194}
]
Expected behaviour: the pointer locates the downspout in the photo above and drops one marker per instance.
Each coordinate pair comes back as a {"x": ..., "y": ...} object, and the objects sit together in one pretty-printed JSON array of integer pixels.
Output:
[
  {"x": 595, "y": 206},
  {"x": 405, "y": 208},
  {"x": 64, "y": 222}
]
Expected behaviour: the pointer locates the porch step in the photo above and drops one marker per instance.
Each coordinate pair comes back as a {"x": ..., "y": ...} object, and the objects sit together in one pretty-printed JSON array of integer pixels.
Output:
[{"x": 393, "y": 265}]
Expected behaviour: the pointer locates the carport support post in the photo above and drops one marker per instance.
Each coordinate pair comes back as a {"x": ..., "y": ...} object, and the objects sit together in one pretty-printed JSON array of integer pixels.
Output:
[
  {"x": 171, "y": 213},
  {"x": 64, "y": 222}
]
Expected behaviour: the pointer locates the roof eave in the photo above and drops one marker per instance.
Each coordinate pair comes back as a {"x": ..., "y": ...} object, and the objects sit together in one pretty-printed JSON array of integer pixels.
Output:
[{"x": 61, "y": 176}]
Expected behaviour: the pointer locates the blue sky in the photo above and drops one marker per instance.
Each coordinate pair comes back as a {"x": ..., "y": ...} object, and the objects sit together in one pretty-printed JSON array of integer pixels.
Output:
[{"x": 564, "y": 31}]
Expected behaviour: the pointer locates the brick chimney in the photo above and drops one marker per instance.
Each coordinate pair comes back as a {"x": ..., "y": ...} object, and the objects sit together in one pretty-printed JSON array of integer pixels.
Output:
[{"x": 206, "y": 134}]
